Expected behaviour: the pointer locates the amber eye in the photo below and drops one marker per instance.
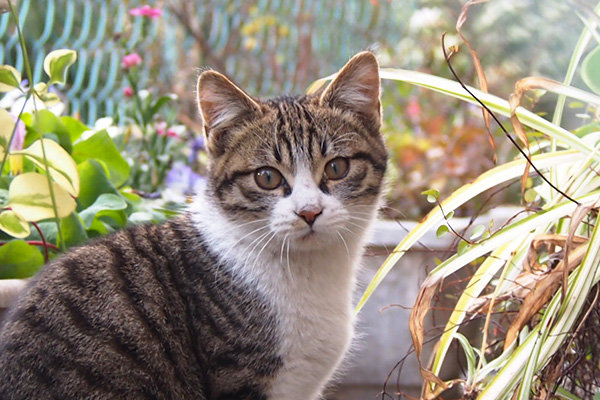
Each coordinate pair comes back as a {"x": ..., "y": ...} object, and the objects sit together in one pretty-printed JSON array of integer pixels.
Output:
[
  {"x": 337, "y": 168},
  {"x": 268, "y": 178}
]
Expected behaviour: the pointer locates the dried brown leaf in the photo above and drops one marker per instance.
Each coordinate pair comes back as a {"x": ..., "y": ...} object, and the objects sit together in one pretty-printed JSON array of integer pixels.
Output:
[
  {"x": 416, "y": 325},
  {"x": 543, "y": 291}
]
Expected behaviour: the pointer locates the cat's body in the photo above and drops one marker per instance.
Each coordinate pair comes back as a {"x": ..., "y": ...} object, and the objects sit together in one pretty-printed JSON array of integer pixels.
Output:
[{"x": 246, "y": 296}]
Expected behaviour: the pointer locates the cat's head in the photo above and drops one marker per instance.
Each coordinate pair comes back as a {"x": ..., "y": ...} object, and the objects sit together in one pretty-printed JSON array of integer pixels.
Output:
[{"x": 305, "y": 169}]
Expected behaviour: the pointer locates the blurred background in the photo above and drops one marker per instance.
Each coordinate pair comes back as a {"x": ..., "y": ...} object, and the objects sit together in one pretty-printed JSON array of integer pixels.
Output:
[{"x": 270, "y": 47}]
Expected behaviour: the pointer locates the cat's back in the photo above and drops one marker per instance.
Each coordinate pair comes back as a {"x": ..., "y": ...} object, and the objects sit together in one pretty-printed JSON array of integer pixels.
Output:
[{"x": 147, "y": 312}]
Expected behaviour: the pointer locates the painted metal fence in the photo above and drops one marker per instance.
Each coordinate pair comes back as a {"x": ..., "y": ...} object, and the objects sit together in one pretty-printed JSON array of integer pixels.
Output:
[{"x": 267, "y": 46}]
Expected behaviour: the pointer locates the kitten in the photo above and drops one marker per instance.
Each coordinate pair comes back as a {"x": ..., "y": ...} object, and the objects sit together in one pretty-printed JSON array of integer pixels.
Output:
[{"x": 246, "y": 296}]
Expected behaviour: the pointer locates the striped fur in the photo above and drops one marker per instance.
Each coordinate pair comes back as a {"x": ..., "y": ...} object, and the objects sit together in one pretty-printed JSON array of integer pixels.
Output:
[{"x": 246, "y": 296}]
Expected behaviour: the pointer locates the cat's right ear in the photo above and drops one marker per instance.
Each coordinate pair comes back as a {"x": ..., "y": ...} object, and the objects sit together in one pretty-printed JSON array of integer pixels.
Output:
[{"x": 222, "y": 105}]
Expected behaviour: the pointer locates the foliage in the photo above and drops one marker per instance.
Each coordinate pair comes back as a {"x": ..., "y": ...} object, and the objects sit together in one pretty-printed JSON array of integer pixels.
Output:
[
  {"x": 534, "y": 277},
  {"x": 62, "y": 182}
]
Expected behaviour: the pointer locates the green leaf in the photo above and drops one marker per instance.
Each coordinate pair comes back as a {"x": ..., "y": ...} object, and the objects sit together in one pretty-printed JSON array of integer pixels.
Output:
[
  {"x": 104, "y": 204},
  {"x": 94, "y": 182},
  {"x": 10, "y": 78},
  {"x": 48, "y": 123},
  {"x": 477, "y": 232},
  {"x": 590, "y": 70},
  {"x": 19, "y": 260},
  {"x": 463, "y": 246},
  {"x": 432, "y": 195},
  {"x": 73, "y": 231},
  {"x": 74, "y": 127},
  {"x": 442, "y": 231},
  {"x": 102, "y": 148},
  {"x": 158, "y": 104},
  {"x": 13, "y": 224},
  {"x": 57, "y": 63},
  {"x": 29, "y": 196}
]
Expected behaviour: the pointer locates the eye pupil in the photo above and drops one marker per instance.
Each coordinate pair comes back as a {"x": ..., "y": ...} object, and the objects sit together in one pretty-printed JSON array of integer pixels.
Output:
[
  {"x": 337, "y": 168},
  {"x": 268, "y": 178}
]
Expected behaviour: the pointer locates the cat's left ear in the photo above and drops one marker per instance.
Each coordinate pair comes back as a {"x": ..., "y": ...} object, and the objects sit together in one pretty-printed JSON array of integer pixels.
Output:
[{"x": 356, "y": 89}]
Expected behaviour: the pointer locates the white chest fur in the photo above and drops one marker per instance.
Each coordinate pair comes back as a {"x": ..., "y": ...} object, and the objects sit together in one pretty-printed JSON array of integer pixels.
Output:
[{"x": 310, "y": 291}]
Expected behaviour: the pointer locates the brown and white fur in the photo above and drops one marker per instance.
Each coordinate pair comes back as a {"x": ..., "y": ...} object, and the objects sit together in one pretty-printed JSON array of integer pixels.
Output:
[{"x": 246, "y": 296}]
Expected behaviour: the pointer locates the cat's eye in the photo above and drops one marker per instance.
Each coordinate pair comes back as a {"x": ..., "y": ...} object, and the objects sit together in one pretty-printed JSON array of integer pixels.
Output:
[
  {"x": 337, "y": 168},
  {"x": 268, "y": 178}
]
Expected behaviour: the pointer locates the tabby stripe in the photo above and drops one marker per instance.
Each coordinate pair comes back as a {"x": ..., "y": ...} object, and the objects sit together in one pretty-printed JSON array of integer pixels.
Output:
[
  {"x": 369, "y": 190},
  {"x": 61, "y": 362},
  {"x": 177, "y": 286},
  {"x": 367, "y": 157},
  {"x": 242, "y": 208},
  {"x": 225, "y": 308},
  {"x": 154, "y": 326},
  {"x": 130, "y": 346},
  {"x": 210, "y": 297},
  {"x": 230, "y": 180}
]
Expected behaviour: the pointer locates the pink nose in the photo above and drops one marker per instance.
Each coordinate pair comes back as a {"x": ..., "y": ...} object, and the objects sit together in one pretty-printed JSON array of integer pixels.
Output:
[{"x": 310, "y": 215}]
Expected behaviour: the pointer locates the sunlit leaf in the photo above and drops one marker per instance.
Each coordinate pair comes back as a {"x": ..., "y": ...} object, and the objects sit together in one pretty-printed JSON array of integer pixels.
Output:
[
  {"x": 10, "y": 78},
  {"x": 442, "y": 230},
  {"x": 19, "y": 260},
  {"x": 477, "y": 232},
  {"x": 13, "y": 224},
  {"x": 57, "y": 63},
  {"x": 29, "y": 196},
  {"x": 432, "y": 195},
  {"x": 62, "y": 167},
  {"x": 589, "y": 70},
  {"x": 7, "y": 125}
]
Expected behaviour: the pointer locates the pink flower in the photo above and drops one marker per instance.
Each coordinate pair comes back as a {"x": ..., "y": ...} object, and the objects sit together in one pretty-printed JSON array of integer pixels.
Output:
[
  {"x": 162, "y": 131},
  {"x": 131, "y": 60},
  {"x": 146, "y": 11},
  {"x": 128, "y": 92}
]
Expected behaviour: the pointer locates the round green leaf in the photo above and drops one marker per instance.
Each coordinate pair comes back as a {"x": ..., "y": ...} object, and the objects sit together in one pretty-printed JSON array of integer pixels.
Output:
[
  {"x": 19, "y": 260},
  {"x": 10, "y": 78},
  {"x": 441, "y": 231},
  {"x": 590, "y": 70},
  {"x": 57, "y": 63},
  {"x": 29, "y": 196},
  {"x": 13, "y": 224},
  {"x": 105, "y": 203}
]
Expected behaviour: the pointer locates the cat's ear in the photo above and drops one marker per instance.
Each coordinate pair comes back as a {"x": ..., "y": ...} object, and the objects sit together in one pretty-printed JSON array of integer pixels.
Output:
[
  {"x": 356, "y": 89},
  {"x": 222, "y": 104}
]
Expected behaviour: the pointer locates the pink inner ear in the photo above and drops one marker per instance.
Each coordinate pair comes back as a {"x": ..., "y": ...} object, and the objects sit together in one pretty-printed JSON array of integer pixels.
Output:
[{"x": 221, "y": 102}]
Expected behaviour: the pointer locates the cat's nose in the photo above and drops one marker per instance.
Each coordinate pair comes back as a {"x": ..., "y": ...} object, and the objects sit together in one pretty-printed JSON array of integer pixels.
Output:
[{"x": 309, "y": 215}]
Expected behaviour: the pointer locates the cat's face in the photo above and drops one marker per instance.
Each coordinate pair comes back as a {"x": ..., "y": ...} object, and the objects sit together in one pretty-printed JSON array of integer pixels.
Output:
[{"x": 304, "y": 170}]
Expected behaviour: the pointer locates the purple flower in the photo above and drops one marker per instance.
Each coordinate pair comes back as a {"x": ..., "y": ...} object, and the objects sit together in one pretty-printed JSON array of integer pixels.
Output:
[{"x": 181, "y": 176}]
